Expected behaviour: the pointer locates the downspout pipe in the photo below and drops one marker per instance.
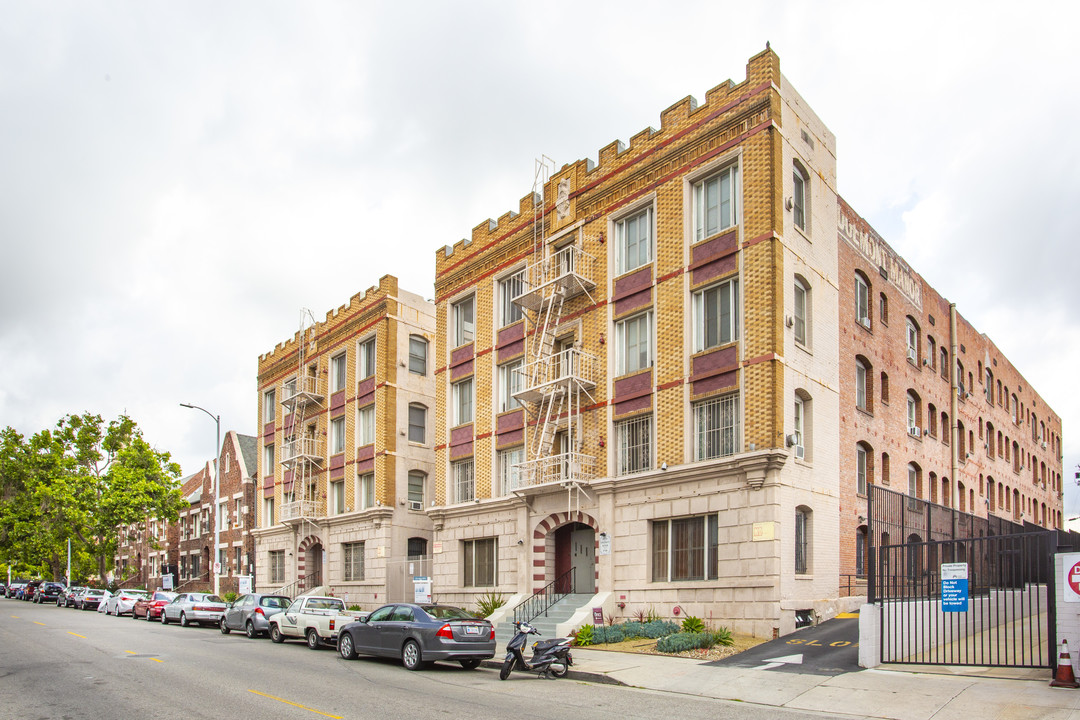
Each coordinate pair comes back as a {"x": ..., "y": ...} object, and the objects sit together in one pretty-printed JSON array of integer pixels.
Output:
[{"x": 954, "y": 408}]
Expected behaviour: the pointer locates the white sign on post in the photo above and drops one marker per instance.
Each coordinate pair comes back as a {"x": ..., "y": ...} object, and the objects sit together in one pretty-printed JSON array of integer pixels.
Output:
[
  {"x": 1070, "y": 568},
  {"x": 604, "y": 545},
  {"x": 421, "y": 589},
  {"x": 244, "y": 584},
  {"x": 167, "y": 582}
]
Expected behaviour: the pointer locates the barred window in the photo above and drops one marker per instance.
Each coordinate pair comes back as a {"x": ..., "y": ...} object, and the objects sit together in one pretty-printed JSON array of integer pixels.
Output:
[
  {"x": 802, "y": 540},
  {"x": 634, "y": 448},
  {"x": 464, "y": 489},
  {"x": 480, "y": 562},
  {"x": 685, "y": 549},
  {"x": 353, "y": 561},
  {"x": 716, "y": 427}
]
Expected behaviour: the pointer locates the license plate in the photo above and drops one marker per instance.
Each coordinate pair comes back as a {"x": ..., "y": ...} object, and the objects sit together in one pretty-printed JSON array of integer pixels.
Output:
[{"x": 472, "y": 629}]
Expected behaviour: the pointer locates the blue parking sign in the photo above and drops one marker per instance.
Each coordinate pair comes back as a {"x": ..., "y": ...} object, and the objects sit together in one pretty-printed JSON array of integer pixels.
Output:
[{"x": 954, "y": 587}]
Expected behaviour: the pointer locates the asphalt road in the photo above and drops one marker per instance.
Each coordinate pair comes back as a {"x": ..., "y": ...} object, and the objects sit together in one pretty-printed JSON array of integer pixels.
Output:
[
  {"x": 831, "y": 648},
  {"x": 63, "y": 663}
]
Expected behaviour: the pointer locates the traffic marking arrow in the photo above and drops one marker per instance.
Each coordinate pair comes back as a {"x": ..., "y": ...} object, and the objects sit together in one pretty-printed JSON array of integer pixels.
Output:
[{"x": 777, "y": 662}]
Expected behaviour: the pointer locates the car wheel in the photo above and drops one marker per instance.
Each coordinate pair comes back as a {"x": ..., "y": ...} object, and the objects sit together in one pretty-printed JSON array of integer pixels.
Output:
[
  {"x": 249, "y": 628},
  {"x": 183, "y": 620},
  {"x": 275, "y": 634},
  {"x": 224, "y": 627},
  {"x": 469, "y": 664},
  {"x": 507, "y": 667},
  {"x": 558, "y": 670},
  {"x": 164, "y": 619},
  {"x": 345, "y": 647},
  {"x": 410, "y": 655},
  {"x": 312, "y": 639},
  {"x": 149, "y": 617}
]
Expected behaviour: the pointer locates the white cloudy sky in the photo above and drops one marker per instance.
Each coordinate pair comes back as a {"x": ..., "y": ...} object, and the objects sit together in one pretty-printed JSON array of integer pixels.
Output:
[{"x": 177, "y": 180}]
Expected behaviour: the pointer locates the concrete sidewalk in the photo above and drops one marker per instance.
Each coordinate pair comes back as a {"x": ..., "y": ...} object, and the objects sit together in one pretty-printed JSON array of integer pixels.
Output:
[{"x": 900, "y": 692}]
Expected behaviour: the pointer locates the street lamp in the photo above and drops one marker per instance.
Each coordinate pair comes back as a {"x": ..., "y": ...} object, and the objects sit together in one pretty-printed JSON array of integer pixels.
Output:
[{"x": 217, "y": 477}]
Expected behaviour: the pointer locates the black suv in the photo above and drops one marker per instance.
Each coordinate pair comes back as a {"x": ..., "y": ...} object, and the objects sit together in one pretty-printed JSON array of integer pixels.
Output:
[{"x": 48, "y": 592}]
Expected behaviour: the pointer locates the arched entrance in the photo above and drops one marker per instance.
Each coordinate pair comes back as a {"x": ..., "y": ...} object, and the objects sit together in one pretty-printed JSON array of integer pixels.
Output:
[
  {"x": 309, "y": 563},
  {"x": 567, "y": 543}
]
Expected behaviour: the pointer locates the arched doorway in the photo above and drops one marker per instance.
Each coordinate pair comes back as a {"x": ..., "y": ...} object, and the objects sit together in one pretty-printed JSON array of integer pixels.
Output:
[
  {"x": 575, "y": 557},
  {"x": 309, "y": 564}
]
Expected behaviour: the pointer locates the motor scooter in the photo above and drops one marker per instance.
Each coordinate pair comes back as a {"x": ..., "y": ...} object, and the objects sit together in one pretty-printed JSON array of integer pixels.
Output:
[{"x": 550, "y": 657}]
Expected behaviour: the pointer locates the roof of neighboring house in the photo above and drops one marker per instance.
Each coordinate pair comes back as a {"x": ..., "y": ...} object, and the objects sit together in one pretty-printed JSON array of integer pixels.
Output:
[{"x": 249, "y": 448}]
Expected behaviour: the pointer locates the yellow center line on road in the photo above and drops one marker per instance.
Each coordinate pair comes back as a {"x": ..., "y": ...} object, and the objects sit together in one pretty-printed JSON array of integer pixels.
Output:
[
  {"x": 76, "y": 634},
  {"x": 302, "y": 707},
  {"x": 131, "y": 652},
  {"x": 37, "y": 623},
  {"x": 16, "y": 617},
  {"x": 157, "y": 660}
]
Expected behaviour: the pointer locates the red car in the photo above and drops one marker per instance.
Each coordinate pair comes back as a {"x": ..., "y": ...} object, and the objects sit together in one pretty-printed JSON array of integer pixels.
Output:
[{"x": 149, "y": 607}]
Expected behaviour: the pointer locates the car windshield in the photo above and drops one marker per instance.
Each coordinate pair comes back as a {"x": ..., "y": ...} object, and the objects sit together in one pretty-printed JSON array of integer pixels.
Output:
[
  {"x": 274, "y": 602},
  {"x": 209, "y": 598},
  {"x": 447, "y": 612},
  {"x": 98, "y": 593}
]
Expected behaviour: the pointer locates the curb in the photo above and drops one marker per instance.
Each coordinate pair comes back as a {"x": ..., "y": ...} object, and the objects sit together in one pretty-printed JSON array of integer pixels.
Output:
[{"x": 579, "y": 675}]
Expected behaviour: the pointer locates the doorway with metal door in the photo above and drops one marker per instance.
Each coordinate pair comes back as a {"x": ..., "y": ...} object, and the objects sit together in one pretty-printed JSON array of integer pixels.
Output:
[{"x": 575, "y": 550}]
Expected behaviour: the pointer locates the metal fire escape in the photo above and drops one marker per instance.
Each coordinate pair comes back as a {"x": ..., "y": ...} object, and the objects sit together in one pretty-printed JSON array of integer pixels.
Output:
[
  {"x": 556, "y": 378},
  {"x": 304, "y": 452}
]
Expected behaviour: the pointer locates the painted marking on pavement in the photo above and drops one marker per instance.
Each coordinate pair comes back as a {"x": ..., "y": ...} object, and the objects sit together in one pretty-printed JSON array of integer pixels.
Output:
[
  {"x": 156, "y": 660},
  {"x": 38, "y": 623},
  {"x": 843, "y": 616},
  {"x": 131, "y": 652},
  {"x": 815, "y": 643},
  {"x": 302, "y": 707},
  {"x": 76, "y": 634},
  {"x": 777, "y": 662},
  {"x": 16, "y": 617}
]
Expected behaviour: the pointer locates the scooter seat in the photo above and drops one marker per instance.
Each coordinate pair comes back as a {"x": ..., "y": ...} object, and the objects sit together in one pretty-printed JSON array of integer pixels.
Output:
[{"x": 545, "y": 644}]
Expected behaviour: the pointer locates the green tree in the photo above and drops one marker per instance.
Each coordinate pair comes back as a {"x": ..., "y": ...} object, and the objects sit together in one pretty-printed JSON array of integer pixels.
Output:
[{"x": 83, "y": 481}]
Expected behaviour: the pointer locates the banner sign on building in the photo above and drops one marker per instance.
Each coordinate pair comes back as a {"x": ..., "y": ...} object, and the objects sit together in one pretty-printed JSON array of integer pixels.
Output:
[{"x": 954, "y": 587}]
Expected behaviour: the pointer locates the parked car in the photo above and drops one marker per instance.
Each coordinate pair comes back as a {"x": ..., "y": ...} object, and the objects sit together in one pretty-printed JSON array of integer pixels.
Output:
[
  {"x": 14, "y": 588},
  {"x": 149, "y": 606},
  {"x": 28, "y": 590},
  {"x": 91, "y": 599},
  {"x": 3, "y": 589},
  {"x": 420, "y": 634},
  {"x": 189, "y": 608},
  {"x": 121, "y": 601},
  {"x": 48, "y": 592},
  {"x": 65, "y": 598},
  {"x": 314, "y": 619},
  {"x": 251, "y": 613}
]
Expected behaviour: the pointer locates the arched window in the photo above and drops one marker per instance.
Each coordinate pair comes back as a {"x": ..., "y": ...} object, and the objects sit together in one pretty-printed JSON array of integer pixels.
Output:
[
  {"x": 912, "y": 340},
  {"x": 883, "y": 309},
  {"x": 931, "y": 420},
  {"x": 884, "y": 468},
  {"x": 884, "y": 387},
  {"x": 914, "y": 412},
  {"x": 931, "y": 351},
  {"x": 802, "y": 310},
  {"x": 864, "y": 467},
  {"x": 800, "y": 198},
  {"x": 914, "y": 473},
  {"x": 803, "y": 535},
  {"x": 860, "y": 551},
  {"x": 804, "y": 425},
  {"x": 864, "y": 399},
  {"x": 862, "y": 300}
]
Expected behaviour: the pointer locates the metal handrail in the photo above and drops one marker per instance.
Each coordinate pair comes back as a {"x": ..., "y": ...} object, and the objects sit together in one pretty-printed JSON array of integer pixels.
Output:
[
  {"x": 542, "y": 600},
  {"x": 290, "y": 589},
  {"x": 564, "y": 467}
]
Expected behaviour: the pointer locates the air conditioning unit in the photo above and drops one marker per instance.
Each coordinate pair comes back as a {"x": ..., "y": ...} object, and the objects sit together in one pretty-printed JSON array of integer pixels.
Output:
[
  {"x": 865, "y": 321},
  {"x": 911, "y": 355},
  {"x": 1043, "y": 444},
  {"x": 914, "y": 431},
  {"x": 416, "y": 505},
  {"x": 792, "y": 440},
  {"x": 926, "y": 362},
  {"x": 800, "y": 452}
]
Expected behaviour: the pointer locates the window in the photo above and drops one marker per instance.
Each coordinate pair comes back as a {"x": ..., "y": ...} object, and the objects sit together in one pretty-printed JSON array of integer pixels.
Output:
[
  {"x": 462, "y": 392},
  {"x": 268, "y": 512},
  {"x": 337, "y": 497},
  {"x": 862, "y": 301},
  {"x": 715, "y": 206},
  {"x": 365, "y": 491},
  {"x": 509, "y": 474},
  {"x": 883, "y": 309},
  {"x": 365, "y": 425},
  {"x": 510, "y": 383},
  {"x": 798, "y": 196},
  {"x": 268, "y": 460},
  {"x": 802, "y": 540},
  {"x": 912, "y": 341},
  {"x": 633, "y": 445},
  {"x": 337, "y": 435},
  {"x": 223, "y": 560},
  {"x": 685, "y": 549},
  {"x": 913, "y": 482},
  {"x": 716, "y": 315},
  {"x": 416, "y": 547},
  {"x": 417, "y": 355},
  {"x": 509, "y": 288},
  {"x": 417, "y": 423},
  {"x": 913, "y": 411},
  {"x": 223, "y": 516},
  {"x": 633, "y": 344},
  {"x": 464, "y": 327},
  {"x": 801, "y": 294},
  {"x": 480, "y": 562},
  {"x": 800, "y": 425},
  {"x": 366, "y": 366},
  {"x": 353, "y": 561},
  {"x": 195, "y": 569},
  {"x": 860, "y": 551},
  {"x": 884, "y": 388},
  {"x": 861, "y": 394},
  {"x": 237, "y": 555},
  {"x": 862, "y": 468},
  {"x": 277, "y": 566},
  {"x": 945, "y": 363},
  {"x": 634, "y": 247},
  {"x": 716, "y": 427},
  {"x": 338, "y": 365},
  {"x": 417, "y": 480},
  {"x": 269, "y": 409},
  {"x": 462, "y": 474},
  {"x": 931, "y": 351}
]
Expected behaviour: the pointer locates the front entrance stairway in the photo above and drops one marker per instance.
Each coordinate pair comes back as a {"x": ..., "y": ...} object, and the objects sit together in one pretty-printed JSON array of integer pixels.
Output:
[{"x": 545, "y": 622}]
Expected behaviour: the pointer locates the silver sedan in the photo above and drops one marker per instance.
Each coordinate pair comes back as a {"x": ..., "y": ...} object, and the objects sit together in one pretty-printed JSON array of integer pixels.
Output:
[
  {"x": 251, "y": 613},
  {"x": 192, "y": 608}
]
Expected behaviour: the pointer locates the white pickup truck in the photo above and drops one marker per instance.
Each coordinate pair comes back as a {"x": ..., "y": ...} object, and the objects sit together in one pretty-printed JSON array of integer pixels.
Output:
[{"x": 314, "y": 619}]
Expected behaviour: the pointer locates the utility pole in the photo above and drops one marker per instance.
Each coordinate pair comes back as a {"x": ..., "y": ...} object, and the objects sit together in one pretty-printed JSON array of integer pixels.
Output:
[{"x": 217, "y": 478}]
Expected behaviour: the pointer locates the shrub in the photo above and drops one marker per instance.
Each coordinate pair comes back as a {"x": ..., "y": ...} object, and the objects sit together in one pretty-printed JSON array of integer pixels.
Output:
[
  {"x": 640, "y": 615},
  {"x": 489, "y": 602},
  {"x": 693, "y": 625},
  {"x": 633, "y": 629},
  {"x": 354, "y": 608},
  {"x": 229, "y": 596},
  {"x": 584, "y": 636},
  {"x": 723, "y": 637},
  {"x": 681, "y": 642},
  {"x": 607, "y": 634},
  {"x": 659, "y": 629}
]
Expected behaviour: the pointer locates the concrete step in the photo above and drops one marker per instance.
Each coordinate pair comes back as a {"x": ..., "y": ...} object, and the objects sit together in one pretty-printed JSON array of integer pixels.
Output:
[{"x": 546, "y": 623}]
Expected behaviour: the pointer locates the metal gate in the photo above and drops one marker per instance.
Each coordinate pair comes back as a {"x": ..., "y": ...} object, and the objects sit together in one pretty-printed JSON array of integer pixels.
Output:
[
  {"x": 1009, "y": 619},
  {"x": 399, "y": 576}
]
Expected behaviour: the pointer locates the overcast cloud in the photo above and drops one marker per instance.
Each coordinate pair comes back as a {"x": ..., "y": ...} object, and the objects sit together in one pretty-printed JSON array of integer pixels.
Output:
[{"x": 178, "y": 180}]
